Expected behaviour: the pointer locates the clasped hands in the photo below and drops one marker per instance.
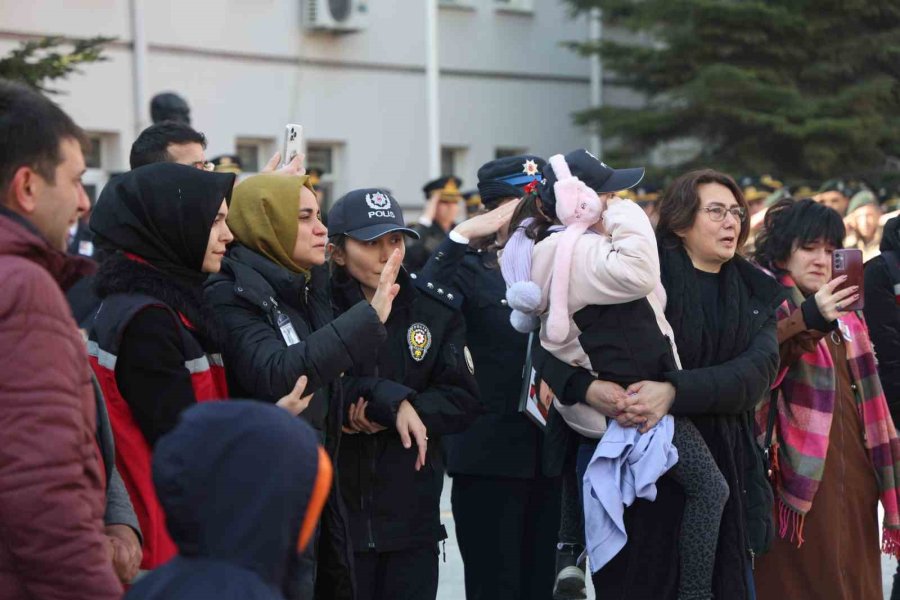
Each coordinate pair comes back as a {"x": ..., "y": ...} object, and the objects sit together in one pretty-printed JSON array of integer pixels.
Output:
[{"x": 641, "y": 405}]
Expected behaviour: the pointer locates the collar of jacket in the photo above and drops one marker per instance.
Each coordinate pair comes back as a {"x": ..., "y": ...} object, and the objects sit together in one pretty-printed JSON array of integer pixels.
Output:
[
  {"x": 258, "y": 279},
  {"x": 762, "y": 286},
  {"x": 19, "y": 237},
  {"x": 346, "y": 291}
]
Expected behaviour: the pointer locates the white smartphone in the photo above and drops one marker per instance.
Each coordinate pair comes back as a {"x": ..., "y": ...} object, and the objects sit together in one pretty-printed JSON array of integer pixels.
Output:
[{"x": 293, "y": 143}]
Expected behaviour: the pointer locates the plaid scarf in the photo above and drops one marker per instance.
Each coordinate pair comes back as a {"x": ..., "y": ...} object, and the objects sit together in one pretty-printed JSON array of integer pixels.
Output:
[{"x": 806, "y": 397}]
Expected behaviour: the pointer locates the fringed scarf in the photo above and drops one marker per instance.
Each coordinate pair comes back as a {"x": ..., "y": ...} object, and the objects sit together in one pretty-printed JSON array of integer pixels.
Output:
[{"x": 803, "y": 424}]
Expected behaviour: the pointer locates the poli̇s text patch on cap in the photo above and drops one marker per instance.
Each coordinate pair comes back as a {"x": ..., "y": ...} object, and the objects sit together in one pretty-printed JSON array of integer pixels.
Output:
[{"x": 367, "y": 214}]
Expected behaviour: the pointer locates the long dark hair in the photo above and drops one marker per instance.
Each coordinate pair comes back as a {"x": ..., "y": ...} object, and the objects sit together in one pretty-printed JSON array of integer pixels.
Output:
[
  {"x": 530, "y": 207},
  {"x": 793, "y": 223},
  {"x": 681, "y": 202}
]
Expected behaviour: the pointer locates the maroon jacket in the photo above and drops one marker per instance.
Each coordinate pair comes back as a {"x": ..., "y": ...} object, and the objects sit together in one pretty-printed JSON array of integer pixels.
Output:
[{"x": 51, "y": 481}]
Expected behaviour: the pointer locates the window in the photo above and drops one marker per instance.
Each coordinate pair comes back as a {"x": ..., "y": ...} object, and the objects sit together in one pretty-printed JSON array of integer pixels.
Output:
[
  {"x": 253, "y": 153},
  {"x": 93, "y": 157},
  {"x": 507, "y": 152},
  {"x": 323, "y": 162},
  {"x": 100, "y": 157},
  {"x": 464, "y": 4},
  {"x": 515, "y": 5},
  {"x": 452, "y": 160}
]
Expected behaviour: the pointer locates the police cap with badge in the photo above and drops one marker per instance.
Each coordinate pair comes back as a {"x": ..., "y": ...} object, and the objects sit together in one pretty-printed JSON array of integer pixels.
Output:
[
  {"x": 508, "y": 177},
  {"x": 368, "y": 214},
  {"x": 448, "y": 185}
]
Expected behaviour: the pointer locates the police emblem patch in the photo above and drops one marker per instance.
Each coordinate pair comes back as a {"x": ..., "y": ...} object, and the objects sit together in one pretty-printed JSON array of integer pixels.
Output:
[
  {"x": 378, "y": 201},
  {"x": 419, "y": 339},
  {"x": 529, "y": 167}
]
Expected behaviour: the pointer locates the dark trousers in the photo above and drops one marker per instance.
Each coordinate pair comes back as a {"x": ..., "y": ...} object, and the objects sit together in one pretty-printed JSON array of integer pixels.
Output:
[
  {"x": 506, "y": 529},
  {"x": 403, "y": 575}
]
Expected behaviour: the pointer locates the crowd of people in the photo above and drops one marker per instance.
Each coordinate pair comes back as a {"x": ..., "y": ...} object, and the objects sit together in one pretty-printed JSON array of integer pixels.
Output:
[{"x": 212, "y": 389}]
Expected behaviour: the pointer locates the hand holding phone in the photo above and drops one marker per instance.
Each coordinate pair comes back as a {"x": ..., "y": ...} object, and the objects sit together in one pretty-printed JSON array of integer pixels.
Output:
[
  {"x": 293, "y": 143},
  {"x": 848, "y": 262}
]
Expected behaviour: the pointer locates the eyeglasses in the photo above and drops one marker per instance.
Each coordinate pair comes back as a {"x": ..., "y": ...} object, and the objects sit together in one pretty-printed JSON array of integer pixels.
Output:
[
  {"x": 717, "y": 213},
  {"x": 203, "y": 165}
]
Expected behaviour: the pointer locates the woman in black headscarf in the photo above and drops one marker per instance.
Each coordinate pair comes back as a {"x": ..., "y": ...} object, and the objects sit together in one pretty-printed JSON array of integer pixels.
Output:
[{"x": 153, "y": 346}]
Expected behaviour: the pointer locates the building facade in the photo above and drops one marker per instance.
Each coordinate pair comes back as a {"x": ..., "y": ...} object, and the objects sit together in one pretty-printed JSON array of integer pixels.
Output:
[{"x": 247, "y": 67}]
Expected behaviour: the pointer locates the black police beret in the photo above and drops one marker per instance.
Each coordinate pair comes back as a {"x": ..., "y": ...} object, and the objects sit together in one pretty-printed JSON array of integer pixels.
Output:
[{"x": 507, "y": 177}]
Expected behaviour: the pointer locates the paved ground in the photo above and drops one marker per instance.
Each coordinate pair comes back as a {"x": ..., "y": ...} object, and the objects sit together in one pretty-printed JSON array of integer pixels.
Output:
[{"x": 452, "y": 587}]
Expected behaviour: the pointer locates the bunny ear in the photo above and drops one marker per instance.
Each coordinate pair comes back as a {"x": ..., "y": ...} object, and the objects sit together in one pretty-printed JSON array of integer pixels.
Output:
[{"x": 560, "y": 167}]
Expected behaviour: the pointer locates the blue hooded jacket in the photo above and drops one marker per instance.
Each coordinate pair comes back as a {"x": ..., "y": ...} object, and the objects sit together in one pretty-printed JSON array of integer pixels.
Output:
[{"x": 235, "y": 480}]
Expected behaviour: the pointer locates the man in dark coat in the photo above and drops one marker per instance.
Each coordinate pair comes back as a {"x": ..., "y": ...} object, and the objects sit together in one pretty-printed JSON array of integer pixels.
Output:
[{"x": 51, "y": 478}]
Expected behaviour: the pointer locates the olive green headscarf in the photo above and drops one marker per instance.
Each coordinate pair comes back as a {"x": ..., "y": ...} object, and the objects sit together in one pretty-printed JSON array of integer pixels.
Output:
[{"x": 263, "y": 216}]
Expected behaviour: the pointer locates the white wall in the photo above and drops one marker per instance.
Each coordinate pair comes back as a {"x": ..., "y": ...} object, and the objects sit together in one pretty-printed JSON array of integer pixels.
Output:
[{"x": 248, "y": 66}]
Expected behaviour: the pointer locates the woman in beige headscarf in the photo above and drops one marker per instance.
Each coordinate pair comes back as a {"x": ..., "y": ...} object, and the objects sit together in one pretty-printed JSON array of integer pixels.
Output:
[{"x": 272, "y": 299}]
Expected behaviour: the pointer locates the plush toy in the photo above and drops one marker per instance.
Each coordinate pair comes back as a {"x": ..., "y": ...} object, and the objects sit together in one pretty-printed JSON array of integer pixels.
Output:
[{"x": 578, "y": 208}]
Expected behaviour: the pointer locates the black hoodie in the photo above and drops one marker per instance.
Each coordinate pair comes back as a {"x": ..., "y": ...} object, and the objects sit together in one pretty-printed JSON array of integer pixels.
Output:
[
  {"x": 235, "y": 480},
  {"x": 883, "y": 314}
]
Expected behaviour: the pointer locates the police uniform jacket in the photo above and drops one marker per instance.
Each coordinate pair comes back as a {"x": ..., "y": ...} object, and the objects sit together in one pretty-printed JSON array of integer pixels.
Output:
[
  {"x": 392, "y": 506},
  {"x": 503, "y": 442}
]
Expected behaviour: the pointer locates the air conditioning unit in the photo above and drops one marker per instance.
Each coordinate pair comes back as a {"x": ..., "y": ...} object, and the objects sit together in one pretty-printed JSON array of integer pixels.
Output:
[{"x": 338, "y": 16}]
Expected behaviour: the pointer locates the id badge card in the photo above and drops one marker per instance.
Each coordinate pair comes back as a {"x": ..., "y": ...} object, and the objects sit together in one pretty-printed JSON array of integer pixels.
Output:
[{"x": 287, "y": 330}]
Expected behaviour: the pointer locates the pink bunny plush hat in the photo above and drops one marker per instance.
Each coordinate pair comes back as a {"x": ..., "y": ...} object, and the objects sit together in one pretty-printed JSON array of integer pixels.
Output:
[{"x": 578, "y": 207}]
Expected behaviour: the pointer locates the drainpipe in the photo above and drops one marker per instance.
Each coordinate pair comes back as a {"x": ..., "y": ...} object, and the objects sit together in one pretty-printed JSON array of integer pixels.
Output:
[{"x": 431, "y": 92}]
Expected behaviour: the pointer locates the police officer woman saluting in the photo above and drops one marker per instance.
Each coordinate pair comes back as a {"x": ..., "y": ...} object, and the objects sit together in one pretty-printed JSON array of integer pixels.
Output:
[{"x": 392, "y": 490}]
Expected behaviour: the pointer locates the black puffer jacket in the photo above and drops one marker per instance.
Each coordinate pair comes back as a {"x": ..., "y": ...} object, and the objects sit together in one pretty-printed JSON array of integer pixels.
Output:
[
  {"x": 392, "y": 506},
  {"x": 883, "y": 314},
  {"x": 259, "y": 305}
]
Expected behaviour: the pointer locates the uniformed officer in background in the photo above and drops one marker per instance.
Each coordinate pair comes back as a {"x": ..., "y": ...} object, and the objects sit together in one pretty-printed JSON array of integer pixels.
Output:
[{"x": 442, "y": 199}]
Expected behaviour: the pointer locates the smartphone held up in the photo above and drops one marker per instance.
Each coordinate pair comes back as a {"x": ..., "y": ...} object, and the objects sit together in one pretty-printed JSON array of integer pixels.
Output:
[
  {"x": 293, "y": 143},
  {"x": 849, "y": 262}
]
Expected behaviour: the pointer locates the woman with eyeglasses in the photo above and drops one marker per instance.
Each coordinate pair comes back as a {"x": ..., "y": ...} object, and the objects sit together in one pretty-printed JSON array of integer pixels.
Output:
[{"x": 721, "y": 309}]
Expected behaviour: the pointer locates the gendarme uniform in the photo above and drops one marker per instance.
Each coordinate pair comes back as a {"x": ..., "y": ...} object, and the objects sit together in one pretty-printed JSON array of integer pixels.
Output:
[
  {"x": 394, "y": 509},
  {"x": 430, "y": 233}
]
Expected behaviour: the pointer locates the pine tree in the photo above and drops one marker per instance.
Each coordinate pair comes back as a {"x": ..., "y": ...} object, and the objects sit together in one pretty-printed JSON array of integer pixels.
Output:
[
  {"x": 799, "y": 88},
  {"x": 36, "y": 62}
]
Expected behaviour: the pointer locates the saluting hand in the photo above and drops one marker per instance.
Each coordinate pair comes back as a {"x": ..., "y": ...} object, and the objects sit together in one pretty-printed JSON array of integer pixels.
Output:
[
  {"x": 387, "y": 289},
  {"x": 409, "y": 424},
  {"x": 488, "y": 223},
  {"x": 295, "y": 402}
]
